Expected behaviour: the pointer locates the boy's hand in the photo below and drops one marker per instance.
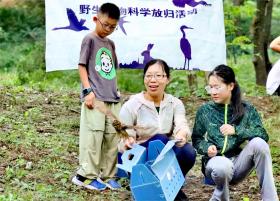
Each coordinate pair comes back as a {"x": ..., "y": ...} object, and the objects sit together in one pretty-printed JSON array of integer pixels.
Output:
[{"x": 89, "y": 100}]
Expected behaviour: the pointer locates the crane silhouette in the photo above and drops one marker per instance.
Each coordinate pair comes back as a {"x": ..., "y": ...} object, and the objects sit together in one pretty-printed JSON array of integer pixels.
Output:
[
  {"x": 185, "y": 46},
  {"x": 74, "y": 23},
  {"x": 192, "y": 3}
]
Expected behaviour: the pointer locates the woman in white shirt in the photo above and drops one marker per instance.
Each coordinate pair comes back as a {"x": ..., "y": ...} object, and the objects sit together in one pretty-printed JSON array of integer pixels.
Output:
[{"x": 161, "y": 114}]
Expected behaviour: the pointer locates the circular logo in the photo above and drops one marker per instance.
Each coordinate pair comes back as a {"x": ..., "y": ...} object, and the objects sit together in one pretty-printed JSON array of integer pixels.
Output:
[{"x": 104, "y": 64}]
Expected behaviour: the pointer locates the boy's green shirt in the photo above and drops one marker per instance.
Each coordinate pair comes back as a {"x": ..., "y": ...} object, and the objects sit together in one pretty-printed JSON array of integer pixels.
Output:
[{"x": 209, "y": 119}]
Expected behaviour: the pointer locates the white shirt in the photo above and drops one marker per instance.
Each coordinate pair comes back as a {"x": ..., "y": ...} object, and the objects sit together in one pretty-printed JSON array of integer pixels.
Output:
[
  {"x": 141, "y": 112},
  {"x": 273, "y": 78}
]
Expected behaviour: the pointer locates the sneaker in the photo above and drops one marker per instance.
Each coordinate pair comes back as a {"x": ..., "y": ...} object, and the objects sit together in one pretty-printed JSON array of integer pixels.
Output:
[
  {"x": 89, "y": 184},
  {"x": 111, "y": 183}
]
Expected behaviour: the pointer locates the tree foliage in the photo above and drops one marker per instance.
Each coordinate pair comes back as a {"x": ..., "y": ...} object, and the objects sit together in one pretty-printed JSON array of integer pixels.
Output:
[
  {"x": 22, "y": 33},
  {"x": 237, "y": 26},
  {"x": 20, "y": 24}
]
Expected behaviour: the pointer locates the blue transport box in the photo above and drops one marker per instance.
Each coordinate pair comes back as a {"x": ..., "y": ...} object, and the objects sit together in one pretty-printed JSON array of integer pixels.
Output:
[{"x": 155, "y": 175}]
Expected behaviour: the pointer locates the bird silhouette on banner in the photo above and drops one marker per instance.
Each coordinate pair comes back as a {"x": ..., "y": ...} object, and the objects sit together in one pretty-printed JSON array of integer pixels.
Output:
[
  {"x": 185, "y": 46},
  {"x": 74, "y": 23},
  {"x": 192, "y": 3},
  {"x": 121, "y": 23}
]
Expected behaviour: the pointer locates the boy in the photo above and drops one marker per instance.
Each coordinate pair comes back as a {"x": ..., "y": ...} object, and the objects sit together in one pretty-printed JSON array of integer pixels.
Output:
[{"x": 98, "y": 140}]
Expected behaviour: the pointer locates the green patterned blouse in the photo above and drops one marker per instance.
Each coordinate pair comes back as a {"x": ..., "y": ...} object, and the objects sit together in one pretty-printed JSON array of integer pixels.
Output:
[{"x": 211, "y": 116}]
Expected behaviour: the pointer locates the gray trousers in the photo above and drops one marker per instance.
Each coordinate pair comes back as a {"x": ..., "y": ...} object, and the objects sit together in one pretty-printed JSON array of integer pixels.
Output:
[{"x": 223, "y": 171}]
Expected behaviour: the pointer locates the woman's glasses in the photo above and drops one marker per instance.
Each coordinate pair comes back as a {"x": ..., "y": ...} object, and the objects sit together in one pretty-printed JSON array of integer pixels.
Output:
[
  {"x": 213, "y": 89},
  {"x": 107, "y": 26},
  {"x": 156, "y": 76}
]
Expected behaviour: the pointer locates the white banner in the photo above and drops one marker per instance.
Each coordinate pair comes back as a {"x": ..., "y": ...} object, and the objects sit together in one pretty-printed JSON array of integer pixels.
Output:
[{"x": 187, "y": 34}]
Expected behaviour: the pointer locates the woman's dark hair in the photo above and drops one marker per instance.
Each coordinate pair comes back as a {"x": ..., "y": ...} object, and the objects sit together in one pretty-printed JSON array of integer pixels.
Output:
[
  {"x": 111, "y": 10},
  {"x": 227, "y": 76},
  {"x": 162, "y": 63}
]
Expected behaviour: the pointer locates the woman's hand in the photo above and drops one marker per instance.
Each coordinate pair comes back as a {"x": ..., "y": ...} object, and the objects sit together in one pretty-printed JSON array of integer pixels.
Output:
[
  {"x": 212, "y": 151},
  {"x": 181, "y": 137},
  {"x": 129, "y": 142},
  {"x": 89, "y": 100},
  {"x": 227, "y": 129}
]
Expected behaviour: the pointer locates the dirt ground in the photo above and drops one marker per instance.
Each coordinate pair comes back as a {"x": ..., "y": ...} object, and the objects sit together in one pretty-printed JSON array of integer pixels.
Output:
[{"x": 57, "y": 106}]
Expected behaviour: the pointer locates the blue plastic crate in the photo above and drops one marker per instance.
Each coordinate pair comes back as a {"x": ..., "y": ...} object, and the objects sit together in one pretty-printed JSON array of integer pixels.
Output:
[
  {"x": 144, "y": 185},
  {"x": 158, "y": 177}
]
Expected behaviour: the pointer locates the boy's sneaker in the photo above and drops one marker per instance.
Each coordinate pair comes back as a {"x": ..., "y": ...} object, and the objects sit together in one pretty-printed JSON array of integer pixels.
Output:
[
  {"x": 111, "y": 183},
  {"x": 90, "y": 184}
]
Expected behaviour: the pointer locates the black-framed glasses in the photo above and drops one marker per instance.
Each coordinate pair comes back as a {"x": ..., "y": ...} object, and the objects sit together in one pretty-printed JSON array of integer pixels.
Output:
[
  {"x": 156, "y": 76},
  {"x": 107, "y": 26}
]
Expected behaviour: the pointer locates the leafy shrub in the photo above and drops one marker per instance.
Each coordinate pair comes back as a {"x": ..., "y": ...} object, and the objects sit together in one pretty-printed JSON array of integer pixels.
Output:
[
  {"x": 31, "y": 67},
  {"x": 130, "y": 80},
  {"x": 3, "y": 35},
  {"x": 238, "y": 21},
  {"x": 275, "y": 22},
  {"x": 20, "y": 30}
]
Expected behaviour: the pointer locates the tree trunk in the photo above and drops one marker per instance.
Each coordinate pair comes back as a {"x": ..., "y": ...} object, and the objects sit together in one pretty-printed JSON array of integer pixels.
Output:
[
  {"x": 238, "y": 2},
  {"x": 261, "y": 32},
  {"x": 192, "y": 81}
]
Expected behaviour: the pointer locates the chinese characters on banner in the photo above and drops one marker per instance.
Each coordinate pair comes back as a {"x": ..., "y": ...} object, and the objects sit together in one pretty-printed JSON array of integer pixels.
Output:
[{"x": 188, "y": 34}]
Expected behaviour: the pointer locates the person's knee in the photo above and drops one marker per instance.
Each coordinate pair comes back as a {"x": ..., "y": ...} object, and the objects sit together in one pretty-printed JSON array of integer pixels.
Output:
[
  {"x": 258, "y": 145},
  {"x": 219, "y": 169},
  {"x": 190, "y": 152},
  {"x": 186, "y": 157},
  {"x": 221, "y": 172},
  {"x": 187, "y": 152}
]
